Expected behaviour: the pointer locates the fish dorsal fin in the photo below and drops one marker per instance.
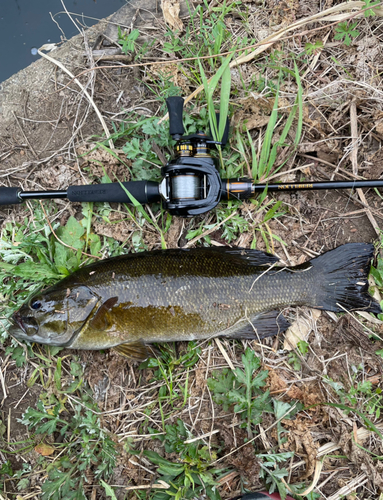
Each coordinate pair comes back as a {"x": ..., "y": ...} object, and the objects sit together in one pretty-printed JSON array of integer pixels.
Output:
[
  {"x": 100, "y": 320},
  {"x": 137, "y": 350},
  {"x": 246, "y": 256}
]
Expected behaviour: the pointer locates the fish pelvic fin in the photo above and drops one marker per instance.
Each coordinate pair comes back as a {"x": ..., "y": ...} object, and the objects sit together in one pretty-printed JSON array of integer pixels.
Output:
[
  {"x": 136, "y": 351},
  {"x": 343, "y": 279},
  {"x": 261, "y": 326}
]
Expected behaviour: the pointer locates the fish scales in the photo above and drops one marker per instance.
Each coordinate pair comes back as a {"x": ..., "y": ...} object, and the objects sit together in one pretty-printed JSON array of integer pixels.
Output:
[{"x": 190, "y": 294}]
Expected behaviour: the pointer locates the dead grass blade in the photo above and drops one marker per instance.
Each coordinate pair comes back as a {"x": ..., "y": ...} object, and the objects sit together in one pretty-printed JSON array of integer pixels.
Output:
[{"x": 317, "y": 473}]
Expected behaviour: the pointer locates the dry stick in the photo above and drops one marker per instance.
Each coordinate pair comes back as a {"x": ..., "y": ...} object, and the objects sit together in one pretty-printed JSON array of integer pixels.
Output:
[
  {"x": 207, "y": 434},
  {"x": 9, "y": 426},
  {"x": 70, "y": 17},
  {"x": 225, "y": 355},
  {"x": 25, "y": 137},
  {"x": 115, "y": 57},
  {"x": 5, "y": 395},
  {"x": 350, "y": 487},
  {"x": 356, "y": 319},
  {"x": 101, "y": 118},
  {"x": 60, "y": 241},
  {"x": 354, "y": 161},
  {"x": 160, "y": 486}
]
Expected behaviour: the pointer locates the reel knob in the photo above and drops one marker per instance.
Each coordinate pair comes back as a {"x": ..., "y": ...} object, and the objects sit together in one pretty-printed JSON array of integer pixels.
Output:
[{"x": 175, "y": 106}]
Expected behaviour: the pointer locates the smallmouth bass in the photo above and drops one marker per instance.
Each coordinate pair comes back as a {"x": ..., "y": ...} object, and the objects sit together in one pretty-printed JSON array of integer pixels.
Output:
[{"x": 132, "y": 300}]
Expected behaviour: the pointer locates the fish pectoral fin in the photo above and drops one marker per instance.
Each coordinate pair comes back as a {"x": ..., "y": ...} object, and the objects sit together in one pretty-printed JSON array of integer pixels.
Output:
[
  {"x": 137, "y": 351},
  {"x": 262, "y": 325},
  {"x": 101, "y": 320}
]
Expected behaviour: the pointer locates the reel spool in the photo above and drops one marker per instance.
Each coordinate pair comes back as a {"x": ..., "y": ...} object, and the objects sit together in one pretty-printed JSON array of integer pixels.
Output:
[{"x": 185, "y": 187}]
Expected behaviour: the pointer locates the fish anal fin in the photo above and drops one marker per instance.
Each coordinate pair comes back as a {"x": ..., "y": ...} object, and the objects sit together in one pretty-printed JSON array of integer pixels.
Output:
[
  {"x": 261, "y": 326},
  {"x": 100, "y": 320},
  {"x": 136, "y": 351}
]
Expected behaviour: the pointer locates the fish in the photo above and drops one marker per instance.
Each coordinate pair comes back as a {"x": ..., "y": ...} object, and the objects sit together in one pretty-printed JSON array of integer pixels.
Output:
[{"x": 131, "y": 301}]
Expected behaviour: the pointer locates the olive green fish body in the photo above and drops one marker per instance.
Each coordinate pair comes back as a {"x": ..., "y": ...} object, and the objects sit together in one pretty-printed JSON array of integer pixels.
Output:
[
  {"x": 191, "y": 294},
  {"x": 196, "y": 295}
]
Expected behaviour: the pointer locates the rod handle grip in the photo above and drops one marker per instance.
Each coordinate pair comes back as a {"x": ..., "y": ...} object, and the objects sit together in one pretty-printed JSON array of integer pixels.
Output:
[
  {"x": 142, "y": 191},
  {"x": 10, "y": 195},
  {"x": 175, "y": 106}
]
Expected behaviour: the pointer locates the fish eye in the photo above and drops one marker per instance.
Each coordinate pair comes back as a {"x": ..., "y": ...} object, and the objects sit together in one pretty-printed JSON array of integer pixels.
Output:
[{"x": 35, "y": 304}]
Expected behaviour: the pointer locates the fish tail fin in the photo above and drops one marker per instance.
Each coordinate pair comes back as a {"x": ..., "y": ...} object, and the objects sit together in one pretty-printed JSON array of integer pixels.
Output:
[{"x": 343, "y": 279}]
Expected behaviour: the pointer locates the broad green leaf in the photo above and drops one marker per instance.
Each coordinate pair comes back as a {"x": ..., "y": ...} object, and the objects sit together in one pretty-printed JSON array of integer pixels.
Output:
[
  {"x": 36, "y": 270},
  {"x": 71, "y": 233}
]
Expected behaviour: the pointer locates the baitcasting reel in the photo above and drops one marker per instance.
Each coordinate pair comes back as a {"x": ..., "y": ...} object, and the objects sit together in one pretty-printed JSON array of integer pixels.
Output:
[{"x": 191, "y": 183}]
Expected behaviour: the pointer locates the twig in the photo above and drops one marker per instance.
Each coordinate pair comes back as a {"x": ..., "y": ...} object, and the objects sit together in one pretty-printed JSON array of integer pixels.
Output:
[
  {"x": 356, "y": 319},
  {"x": 25, "y": 137},
  {"x": 70, "y": 17},
  {"x": 224, "y": 354},
  {"x": 161, "y": 485},
  {"x": 355, "y": 483},
  {"x": 116, "y": 57},
  {"x": 354, "y": 161},
  {"x": 207, "y": 434},
  {"x": 101, "y": 118},
  {"x": 5, "y": 395},
  {"x": 260, "y": 276}
]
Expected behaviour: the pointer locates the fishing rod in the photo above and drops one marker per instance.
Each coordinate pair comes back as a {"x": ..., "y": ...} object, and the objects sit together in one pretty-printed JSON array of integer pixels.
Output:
[{"x": 190, "y": 183}]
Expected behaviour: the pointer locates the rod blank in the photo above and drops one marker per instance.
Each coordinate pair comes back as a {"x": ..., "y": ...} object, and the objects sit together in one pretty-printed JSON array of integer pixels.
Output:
[{"x": 299, "y": 186}]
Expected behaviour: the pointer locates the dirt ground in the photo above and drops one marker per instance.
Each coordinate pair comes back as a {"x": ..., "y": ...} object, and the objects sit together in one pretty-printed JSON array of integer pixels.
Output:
[{"x": 45, "y": 122}]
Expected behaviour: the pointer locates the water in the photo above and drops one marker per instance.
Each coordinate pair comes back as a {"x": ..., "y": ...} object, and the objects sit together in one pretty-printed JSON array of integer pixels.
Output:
[{"x": 25, "y": 25}]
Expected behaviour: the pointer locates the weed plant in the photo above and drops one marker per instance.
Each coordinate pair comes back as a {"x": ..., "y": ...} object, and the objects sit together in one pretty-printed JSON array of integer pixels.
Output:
[
  {"x": 191, "y": 474},
  {"x": 243, "y": 390}
]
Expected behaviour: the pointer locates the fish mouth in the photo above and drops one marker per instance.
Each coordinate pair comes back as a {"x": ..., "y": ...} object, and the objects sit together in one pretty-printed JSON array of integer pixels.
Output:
[
  {"x": 19, "y": 321},
  {"x": 25, "y": 327}
]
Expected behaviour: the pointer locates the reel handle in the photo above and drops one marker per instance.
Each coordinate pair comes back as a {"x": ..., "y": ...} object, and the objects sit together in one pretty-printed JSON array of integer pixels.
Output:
[{"x": 175, "y": 106}]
